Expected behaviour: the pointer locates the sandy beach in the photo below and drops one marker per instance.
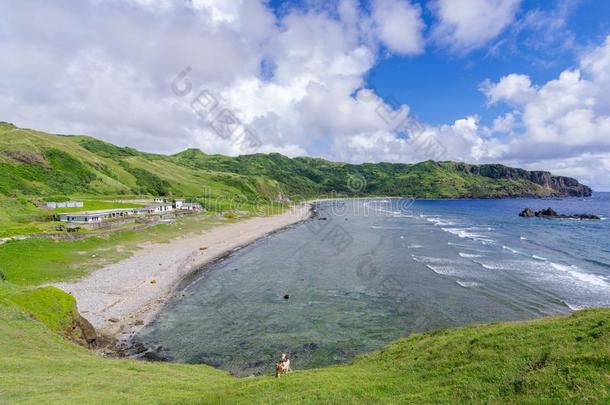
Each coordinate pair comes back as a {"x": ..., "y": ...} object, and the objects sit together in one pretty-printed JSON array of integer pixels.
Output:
[{"x": 119, "y": 298}]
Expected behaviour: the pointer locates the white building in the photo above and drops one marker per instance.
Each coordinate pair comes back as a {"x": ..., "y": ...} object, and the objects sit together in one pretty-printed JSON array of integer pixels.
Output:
[
  {"x": 103, "y": 215},
  {"x": 65, "y": 204},
  {"x": 191, "y": 207},
  {"x": 95, "y": 216},
  {"x": 178, "y": 203},
  {"x": 155, "y": 209}
]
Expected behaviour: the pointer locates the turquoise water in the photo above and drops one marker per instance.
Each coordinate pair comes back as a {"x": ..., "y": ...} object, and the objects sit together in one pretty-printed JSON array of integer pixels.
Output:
[{"x": 376, "y": 270}]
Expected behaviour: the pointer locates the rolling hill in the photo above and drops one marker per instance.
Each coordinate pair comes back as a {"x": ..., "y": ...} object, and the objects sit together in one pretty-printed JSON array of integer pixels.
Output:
[{"x": 34, "y": 163}]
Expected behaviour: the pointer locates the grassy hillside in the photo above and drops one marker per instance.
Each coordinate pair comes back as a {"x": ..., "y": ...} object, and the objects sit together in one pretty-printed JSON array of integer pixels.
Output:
[
  {"x": 34, "y": 163},
  {"x": 554, "y": 360}
]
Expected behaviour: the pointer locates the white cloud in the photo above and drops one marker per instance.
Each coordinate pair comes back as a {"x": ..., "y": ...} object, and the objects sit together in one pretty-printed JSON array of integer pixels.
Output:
[
  {"x": 399, "y": 25},
  {"x": 562, "y": 125},
  {"x": 466, "y": 25},
  {"x": 513, "y": 88},
  {"x": 73, "y": 73},
  {"x": 564, "y": 120},
  {"x": 559, "y": 112},
  {"x": 504, "y": 123},
  {"x": 76, "y": 73}
]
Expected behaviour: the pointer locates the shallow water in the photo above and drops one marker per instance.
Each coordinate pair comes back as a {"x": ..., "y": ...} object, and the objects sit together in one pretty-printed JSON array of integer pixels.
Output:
[{"x": 377, "y": 270}]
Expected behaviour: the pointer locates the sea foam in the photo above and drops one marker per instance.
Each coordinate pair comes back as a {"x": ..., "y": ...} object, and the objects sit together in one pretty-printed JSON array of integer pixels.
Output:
[
  {"x": 469, "y": 255},
  {"x": 468, "y": 284},
  {"x": 574, "y": 271}
]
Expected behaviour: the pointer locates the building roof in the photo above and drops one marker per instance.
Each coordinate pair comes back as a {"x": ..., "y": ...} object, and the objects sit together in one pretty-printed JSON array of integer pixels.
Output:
[
  {"x": 153, "y": 206},
  {"x": 95, "y": 213}
]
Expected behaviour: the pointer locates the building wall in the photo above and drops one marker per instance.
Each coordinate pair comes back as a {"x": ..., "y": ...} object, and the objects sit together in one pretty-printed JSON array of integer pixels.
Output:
[
  {"x": 81, "y": 218},
  {"x": 66, "y": 204}
]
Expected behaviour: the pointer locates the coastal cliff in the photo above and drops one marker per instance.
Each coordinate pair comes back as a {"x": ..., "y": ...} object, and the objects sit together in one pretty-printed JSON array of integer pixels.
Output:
[{"x": 558, "y": 185}]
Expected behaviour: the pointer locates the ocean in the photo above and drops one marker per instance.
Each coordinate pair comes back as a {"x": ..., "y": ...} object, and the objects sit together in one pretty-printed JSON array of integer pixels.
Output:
[{"x": 363, "y": 273}]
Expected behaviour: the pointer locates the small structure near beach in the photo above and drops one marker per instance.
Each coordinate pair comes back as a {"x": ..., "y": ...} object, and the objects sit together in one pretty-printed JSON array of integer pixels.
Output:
[{"x": 191, "y": 207}]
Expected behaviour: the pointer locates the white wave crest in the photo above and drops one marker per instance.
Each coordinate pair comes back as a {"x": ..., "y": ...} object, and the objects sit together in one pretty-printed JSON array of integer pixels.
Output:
[
  {"x": 464, "y": 233},
  {"x": 442, "y": 270},
  {"x": 490, "y": 266},
  {"x": 469, "y": 255},
  {"x": 574, "y": 272},
  {"x": 440, "y": 221},
  {"x": 510, "y": 249},
  {"x": 468, "y": 284}
]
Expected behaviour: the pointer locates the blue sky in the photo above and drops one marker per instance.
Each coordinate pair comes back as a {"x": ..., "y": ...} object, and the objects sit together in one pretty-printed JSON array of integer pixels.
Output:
[
  {"x": 520, "y": 82},
  {"x": 442, "y": 87}
]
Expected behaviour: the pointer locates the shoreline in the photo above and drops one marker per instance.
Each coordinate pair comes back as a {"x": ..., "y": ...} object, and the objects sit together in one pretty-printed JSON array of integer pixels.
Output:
[{"x": 121, "y": 298}]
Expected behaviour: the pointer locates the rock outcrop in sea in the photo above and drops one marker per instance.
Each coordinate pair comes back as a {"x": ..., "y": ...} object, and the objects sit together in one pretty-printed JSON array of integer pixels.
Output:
[{"x": 551, "y": 213}]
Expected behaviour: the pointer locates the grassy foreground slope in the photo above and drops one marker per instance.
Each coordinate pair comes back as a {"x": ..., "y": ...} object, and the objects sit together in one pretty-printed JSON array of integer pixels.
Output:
[{"x": 553, "y": 360}]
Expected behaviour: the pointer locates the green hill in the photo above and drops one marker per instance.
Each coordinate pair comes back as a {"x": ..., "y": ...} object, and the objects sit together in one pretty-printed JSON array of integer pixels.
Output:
[
  {"x": 553, "y": 360},
  {"x": 34, "y": 163}
]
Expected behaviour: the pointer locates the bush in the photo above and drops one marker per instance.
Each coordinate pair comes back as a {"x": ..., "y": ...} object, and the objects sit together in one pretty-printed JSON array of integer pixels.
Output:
[{"x": 148, "y": 182}]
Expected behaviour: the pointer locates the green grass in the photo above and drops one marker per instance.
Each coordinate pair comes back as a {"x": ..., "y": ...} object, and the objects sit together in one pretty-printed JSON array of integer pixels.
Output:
[
  {"x": 554, "y": 360},
  {"x": 20, "y": 216},
  {"x": 51, "y": 261},
  {"x": 49, "y": 305}
]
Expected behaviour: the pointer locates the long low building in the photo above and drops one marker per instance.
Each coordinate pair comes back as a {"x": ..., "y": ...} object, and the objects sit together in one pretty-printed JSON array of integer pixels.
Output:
[{"x": 95, "y": 216}]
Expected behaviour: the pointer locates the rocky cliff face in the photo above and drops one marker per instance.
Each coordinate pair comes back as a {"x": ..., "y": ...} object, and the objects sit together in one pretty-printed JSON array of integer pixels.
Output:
[{"x": 558, "y": 186}]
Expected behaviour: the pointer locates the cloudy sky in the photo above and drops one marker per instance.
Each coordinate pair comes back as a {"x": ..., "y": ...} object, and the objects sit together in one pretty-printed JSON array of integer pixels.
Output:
[{"x": 522, "y": 82}]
